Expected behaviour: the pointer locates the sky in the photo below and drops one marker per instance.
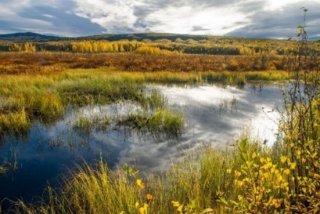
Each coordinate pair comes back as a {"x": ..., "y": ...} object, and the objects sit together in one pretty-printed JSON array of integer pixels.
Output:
[{"x": 245, "y": 18}]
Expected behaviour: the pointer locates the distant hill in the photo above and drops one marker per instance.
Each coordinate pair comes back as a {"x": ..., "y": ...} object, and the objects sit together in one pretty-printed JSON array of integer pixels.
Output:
[
  {"x": 28, "y": 37},
  {"x": 142, "y": 36},
  {"x": 34, "y": 37}
]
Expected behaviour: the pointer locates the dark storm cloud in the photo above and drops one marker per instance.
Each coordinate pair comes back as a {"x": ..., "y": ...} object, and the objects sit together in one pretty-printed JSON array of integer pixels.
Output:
[
  {"x": 62, "y": 21},
  {"x": 282, "y": 23},
  {"x": 48, "y": 19},
  {"x": 199, "y": 28}
]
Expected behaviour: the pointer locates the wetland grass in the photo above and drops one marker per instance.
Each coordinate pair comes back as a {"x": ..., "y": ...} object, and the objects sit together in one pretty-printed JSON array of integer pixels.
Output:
[
  {"x": 208, "y": 181},
  {"x": 87, "y": 124},
  {"x": 160, "y": 122},
  {"x": 45, "y": 97},
  {"x": 16, "y": 123}
]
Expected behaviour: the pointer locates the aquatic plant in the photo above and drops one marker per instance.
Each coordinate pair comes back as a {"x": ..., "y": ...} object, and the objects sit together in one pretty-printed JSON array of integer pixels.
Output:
[
  {"x": 49, "y": 107},
  {"x": 15, "y": 123},
  {"x": 154, "y": 100},
  {"x": 160, "y": 122},
  {"x": 88, "y": 124}
]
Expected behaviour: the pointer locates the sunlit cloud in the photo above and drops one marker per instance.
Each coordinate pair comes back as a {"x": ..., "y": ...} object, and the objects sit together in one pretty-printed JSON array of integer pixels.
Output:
[
  {"x": 263, "y": 18},
  {"x": 189, "y": 20},
  {"x": 279, "y": 4}
]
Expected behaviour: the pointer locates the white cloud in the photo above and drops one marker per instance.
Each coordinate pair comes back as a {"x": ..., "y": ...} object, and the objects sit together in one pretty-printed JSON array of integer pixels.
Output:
[
  {"x": 110, "y": 14},
  {"x": 280, "y": 4},
  {"x": 216, "y": 21},
  {"x": 208, "y": 17},
  {"x": 217, "y": 17}
]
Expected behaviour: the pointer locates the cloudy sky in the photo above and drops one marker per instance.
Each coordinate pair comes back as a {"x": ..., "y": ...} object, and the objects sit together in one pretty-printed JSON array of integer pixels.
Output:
[{"x": 249, "y": 18}]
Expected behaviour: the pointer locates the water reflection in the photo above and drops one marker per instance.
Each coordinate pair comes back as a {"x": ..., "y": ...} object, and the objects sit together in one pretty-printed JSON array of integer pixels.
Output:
[{"x": 214, "y": 115}]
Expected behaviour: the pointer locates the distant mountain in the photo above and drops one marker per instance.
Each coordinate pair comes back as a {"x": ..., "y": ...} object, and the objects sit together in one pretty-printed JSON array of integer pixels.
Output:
[
  {"x": 35, "y": 37},
  {"x": 29, "y": 37},
  {"x": 142, "y": 36}
]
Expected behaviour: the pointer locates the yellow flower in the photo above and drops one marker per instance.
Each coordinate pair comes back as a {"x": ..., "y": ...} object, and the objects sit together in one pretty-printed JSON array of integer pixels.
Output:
[
  {"x": 149, "y": 197},
  {"x": 144, "y": 209},
  {"x": 239, "y": 183},
  {"x": 278, "y": 179},
  {"x": 293, "y": 166},
  {"x": 286, "y": 171},
  {"x": 283, "y": 159},
  {"x": 175, "y": 203},
  {"x": 136, "y": 204},
  {"x": 228, "y": 171},
  {"x": 276, "y": 203},
  {"x": 298, "y": 153},
  {"x": 237, "y": 173},
  {"x": 265, "y": 175},
  {"x": 180, "y": 209},
  {"x": 254, "y": 155},
  {"x": 140, "y": 184}
]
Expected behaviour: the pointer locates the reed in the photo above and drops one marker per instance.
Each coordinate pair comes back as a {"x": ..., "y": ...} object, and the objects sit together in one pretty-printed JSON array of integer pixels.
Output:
[
  {"x": 160, "y": 122},
  {"x": 88, "y": 124}
]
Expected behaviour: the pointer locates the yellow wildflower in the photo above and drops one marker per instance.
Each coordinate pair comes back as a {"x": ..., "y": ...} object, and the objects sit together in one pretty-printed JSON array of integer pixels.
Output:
[
  {"x": 283, "y": 159},
  {"x": 144, "y": 209},
  {"x": 286, "y": 171},
  {"x": 140, "y": 184},
  {"x": 180, "y": 209},
  {"x": 298, "y": 153},
  {"x": 175, "y": 203},
  {"x": 254, "y": 155},
  {"x": 293, "y": 166},
  {"x": 239, "y": 183},
  {"x": 136, "y": 204},
  {"x": 149, "y": 197},
  {"x": 276, "y": 203},
  {"x": 237, "y": 173}
]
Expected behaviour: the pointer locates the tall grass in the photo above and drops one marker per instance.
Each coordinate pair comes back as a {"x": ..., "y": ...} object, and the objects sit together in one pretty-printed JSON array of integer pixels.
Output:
[
  {"x": 92, "y": 190},
  {"x": 246, "y": 179},
  {"x": 45, "y": 97},
  {"x": 87, "y": 124},
  {"x": 160, "y": 122},
  {"x": 15, "y": 123}
]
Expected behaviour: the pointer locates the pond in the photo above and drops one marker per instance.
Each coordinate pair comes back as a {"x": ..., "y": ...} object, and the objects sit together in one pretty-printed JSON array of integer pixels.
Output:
[{"x": 214, "y": 115}]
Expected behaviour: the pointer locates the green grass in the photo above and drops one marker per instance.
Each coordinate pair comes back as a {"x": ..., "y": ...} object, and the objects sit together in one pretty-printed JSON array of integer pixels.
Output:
[
  {"x": 87, "y": 124},
  {"x": 160, "y": 122},
  {"x": 14, "y": 123},
  {"x": 241, "y": 78},
  {"x": 45, "y": 97}
]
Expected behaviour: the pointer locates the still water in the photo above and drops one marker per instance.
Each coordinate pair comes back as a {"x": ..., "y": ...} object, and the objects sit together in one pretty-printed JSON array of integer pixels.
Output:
[{"x": 214, "y": 115}]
